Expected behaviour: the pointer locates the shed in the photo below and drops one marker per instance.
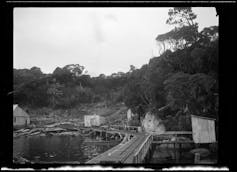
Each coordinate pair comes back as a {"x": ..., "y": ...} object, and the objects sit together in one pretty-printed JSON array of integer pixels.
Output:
[
  {"x": 203, "y": 129},
  {"x": 130, "y": 114},
  {"x": 93, "y": 120},
  {"x": 20, "y": 117}
]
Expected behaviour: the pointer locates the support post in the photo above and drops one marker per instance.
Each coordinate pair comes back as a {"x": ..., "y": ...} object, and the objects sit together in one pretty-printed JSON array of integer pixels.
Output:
[
  {"x": 177, "y": 153},
  {"x": 196, "y": 158}
]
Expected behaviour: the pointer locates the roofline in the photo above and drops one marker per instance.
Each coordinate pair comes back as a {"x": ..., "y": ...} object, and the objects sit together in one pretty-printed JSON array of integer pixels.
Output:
[
  {"x": 15, "y": 106},
  {"x": 203, "y": 117},
  {"x": 21, "y": 115}
]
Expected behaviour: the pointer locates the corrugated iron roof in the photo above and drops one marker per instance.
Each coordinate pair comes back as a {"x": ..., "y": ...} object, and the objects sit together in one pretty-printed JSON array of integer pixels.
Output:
[
  {"x": 19, "y": 114},
  {"x": 208, "y": 118},
  {"x": 14, "y": 106}
]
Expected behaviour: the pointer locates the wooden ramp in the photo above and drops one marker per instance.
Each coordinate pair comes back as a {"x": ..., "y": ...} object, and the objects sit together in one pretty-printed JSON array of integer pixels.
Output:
[{"x": 125, "y": 151}]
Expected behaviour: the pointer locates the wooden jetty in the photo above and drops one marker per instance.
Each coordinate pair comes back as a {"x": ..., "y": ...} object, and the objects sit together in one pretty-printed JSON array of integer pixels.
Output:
[
  {"x": 136, "y": 150},
  {"x": 139, "y": 148},
  {"x": 127, "y": 152}
]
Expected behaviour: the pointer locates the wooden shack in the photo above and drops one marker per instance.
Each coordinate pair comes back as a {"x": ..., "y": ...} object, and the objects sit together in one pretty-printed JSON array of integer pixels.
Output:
[
  {"x": 20, "y": 117},
  {"x": 93, "y": 120},
  {"x": 203, "y": 129}
]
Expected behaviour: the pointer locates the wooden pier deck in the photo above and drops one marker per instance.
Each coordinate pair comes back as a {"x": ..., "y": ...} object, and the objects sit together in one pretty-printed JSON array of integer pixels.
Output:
[
  {"x": 134, "y": 150},
  {"x": 124, "y": 152}
]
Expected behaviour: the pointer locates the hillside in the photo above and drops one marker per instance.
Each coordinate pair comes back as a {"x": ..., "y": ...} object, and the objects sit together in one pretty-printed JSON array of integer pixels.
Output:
[{"x": 44, "y": 116}]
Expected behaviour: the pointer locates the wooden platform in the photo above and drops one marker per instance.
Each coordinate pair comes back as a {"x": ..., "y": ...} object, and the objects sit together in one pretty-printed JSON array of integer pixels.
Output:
[
  {"x": 101, "y": 142},
  {"x": 111, "y": 131},
  {"x": 135, "y": 150},
  {"x": 122, "y": 153}
]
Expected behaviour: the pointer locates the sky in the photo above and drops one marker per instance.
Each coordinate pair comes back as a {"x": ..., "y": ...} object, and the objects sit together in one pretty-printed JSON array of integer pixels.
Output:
[{"x": 103, "y": 40}]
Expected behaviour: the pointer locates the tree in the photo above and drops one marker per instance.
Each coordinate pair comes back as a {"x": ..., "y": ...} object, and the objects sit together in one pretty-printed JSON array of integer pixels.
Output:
[
  {"x": 194, "y": 92},
  {"x": 62, "y": 75},
  {"x": 185, "y": 32},
  {"x": 132, "y": 68},
  {"x": 75, "y": 69},
  {"x": 181, "y": 16},
  {"x": 102, "y": 76},
  {"x": 36, "y": 71},
  {"x": 208, "y": 35},
  {"x": 55, "y": 92},
  {"x": 68, "y": 73}
]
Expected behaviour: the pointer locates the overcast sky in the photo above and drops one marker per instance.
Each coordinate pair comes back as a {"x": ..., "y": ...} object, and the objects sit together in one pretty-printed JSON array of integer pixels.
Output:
[{"x": 103, "y": 40}]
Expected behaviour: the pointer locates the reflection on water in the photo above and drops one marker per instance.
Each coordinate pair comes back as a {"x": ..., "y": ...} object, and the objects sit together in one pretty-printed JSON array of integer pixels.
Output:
[
  {"x": 57, "y": 149},
  {"x": 163, "y": 155},
  {"x": 168, "y": 155}
]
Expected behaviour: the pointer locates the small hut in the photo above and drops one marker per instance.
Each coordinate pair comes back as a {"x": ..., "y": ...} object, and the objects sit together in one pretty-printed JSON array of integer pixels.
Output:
[
  {"x": 20, "y": 117},
  {"x": 130, "y": 114},
  {"x": 203, "y": 129},
  {"x": 93, "y": 120}
]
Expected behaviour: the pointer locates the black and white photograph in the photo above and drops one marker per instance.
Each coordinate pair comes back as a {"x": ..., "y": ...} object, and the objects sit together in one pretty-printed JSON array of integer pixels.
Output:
[{"x": 115, "y": 85}]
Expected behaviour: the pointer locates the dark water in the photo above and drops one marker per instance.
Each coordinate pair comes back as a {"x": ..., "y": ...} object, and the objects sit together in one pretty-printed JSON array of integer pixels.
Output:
[
  {"x": 171, "y": 155},
  {"x": 63, "y": 149},
  {"x": 167, "y": 155}
]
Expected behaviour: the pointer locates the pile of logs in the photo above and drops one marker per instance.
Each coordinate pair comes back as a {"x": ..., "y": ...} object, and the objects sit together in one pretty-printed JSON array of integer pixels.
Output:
[
  {"x": 64, "y": 129},
  {"x": 53, "y": 129}
]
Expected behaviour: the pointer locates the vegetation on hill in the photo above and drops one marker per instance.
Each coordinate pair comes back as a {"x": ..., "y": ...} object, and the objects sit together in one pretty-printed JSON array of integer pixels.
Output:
[{"x": 183, "y": 80}]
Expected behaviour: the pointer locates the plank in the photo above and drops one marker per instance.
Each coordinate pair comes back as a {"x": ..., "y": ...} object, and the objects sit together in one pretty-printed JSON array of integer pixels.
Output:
[
  {"x": 172, "y": 142},
  {"x": 123, "y": 153},
  {"x": 102, "y": 156}
]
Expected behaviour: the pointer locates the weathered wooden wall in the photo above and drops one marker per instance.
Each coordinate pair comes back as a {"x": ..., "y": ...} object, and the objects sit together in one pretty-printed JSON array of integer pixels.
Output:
[
  {"x": 93, "y": 120},
  {"x": 203, "y": 130},
  {"x": 20, "y": 117}
]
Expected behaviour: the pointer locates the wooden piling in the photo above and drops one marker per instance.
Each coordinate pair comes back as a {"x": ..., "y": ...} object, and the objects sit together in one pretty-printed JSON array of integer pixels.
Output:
[
  {"x": 177, "y": 152},
  {"x": 196, "y": 158}
]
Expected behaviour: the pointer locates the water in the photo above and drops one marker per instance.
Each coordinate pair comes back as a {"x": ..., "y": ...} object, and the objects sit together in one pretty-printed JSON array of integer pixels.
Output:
[
  {"x": 62, "y": 149},
  {"x": 171, "y": 156},
  {"x": 168, "y": 155}
]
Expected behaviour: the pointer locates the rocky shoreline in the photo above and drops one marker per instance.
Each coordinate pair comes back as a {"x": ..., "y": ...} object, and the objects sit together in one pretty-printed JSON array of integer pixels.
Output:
[{"x": 65, "y": 128}]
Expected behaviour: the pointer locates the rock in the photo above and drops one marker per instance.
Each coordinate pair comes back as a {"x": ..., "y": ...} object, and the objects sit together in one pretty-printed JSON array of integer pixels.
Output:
[
  {"x": 33, "y": 130},
  {"x": 20, "y": 160},
  {"x": 20, "y": 134},
  {"x": 54, "y": 129},
  {"x": 68, "y": 126},
  {"x": 49, "y": 134},
  {"x": 52, "y": 125},
  {"x": 35, "y": 133},
  {"x": 68, "y": 133},
  {"x": 152, "y": 124},
  {"x": 21, "y": 130}
]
